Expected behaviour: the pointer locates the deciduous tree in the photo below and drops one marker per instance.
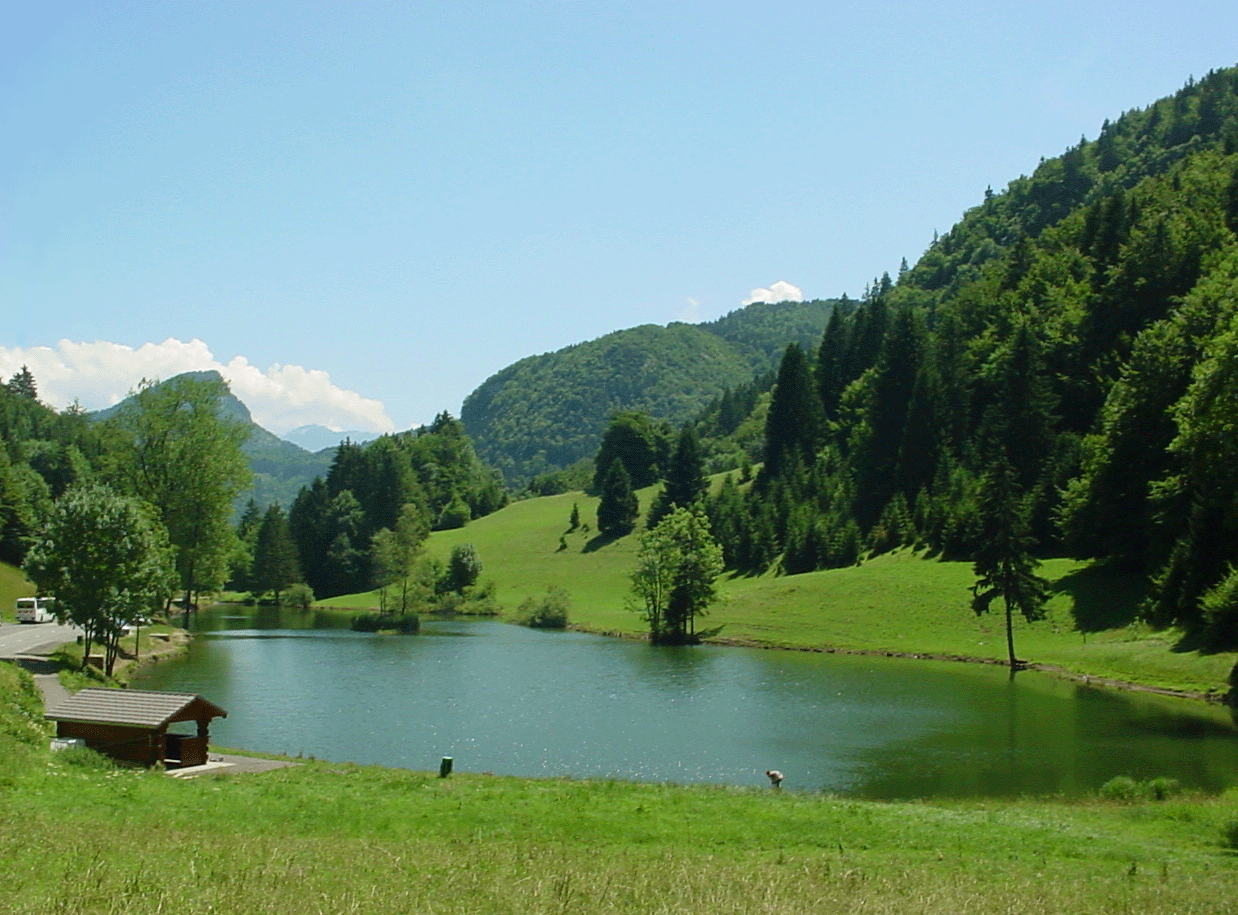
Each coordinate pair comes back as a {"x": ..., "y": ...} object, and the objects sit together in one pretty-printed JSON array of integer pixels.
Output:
[
  {"x": 678, "y": 564},
  {"x": 106, "y": 560},
  {"x": 173, "y": 449}
]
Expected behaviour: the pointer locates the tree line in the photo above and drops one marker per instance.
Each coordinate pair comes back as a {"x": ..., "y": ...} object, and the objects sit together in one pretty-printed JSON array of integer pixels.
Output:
[{"x": 116, "y": 518}]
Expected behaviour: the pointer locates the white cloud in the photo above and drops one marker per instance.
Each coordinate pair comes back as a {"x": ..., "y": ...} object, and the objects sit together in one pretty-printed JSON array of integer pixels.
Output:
[
  {"x": 691, "y": 312},
  {"x": 782, "y": 291},
  {"x": 281, "y": 397}
]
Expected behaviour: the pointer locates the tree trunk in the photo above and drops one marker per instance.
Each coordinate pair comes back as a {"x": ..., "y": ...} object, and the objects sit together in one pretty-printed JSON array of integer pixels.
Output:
[{"x": 1014, "y": 663}]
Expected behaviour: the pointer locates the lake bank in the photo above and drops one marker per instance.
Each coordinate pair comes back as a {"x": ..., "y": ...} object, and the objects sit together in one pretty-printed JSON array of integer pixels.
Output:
[
  {"x": 1213, "y": 696},
  {"x": 525, "y": 702},
  {"x": 383, "y": 841}
]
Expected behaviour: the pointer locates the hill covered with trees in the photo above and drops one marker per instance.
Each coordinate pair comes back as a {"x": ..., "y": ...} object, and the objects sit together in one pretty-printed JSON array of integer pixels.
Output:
[
  {"x": 547, "y": 412},
  {"x": 1074, "y": 337}
]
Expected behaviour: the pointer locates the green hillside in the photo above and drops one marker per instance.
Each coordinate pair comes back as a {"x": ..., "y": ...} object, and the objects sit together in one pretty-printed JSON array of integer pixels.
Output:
[
  {"x": 13, "y": 584},
  {"x": 547, "y": 412},
  {"x": 898, "y": 602}
]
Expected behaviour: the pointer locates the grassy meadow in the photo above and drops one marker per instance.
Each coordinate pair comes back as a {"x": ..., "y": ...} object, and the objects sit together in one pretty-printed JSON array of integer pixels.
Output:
[
  {"x": 898, "y": 602},
  {"x": 78, "y": 837},
  {"x": 12, "y": 586}
]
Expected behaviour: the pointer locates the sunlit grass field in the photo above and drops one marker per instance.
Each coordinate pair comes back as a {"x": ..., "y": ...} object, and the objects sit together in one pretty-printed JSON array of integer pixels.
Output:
[{"x": 899, "y": 602}]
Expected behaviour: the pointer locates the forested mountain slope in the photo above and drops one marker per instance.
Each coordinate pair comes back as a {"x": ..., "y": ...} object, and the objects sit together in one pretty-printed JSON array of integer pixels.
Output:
[
  {"x": 1067, "y": 353},
  {"x": 546, "y": 412}
]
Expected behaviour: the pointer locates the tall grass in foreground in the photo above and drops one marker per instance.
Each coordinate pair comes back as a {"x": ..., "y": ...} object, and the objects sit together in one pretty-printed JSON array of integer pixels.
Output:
[{"x": 324, "y": 838}]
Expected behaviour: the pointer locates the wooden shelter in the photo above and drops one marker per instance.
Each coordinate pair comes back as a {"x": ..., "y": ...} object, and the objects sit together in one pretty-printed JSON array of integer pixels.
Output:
[{"x": 131, "y": 725}]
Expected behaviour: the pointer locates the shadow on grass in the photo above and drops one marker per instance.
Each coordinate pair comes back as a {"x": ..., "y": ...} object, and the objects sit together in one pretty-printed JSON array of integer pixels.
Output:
[
  {"x": 1192, "y": 641},
  {"x": 599, "y": 541},
  {"x": 1102, "y": 598}
]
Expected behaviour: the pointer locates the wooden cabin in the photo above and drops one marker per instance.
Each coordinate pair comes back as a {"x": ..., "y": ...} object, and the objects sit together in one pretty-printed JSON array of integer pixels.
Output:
[{"x": 131, "y": 725}]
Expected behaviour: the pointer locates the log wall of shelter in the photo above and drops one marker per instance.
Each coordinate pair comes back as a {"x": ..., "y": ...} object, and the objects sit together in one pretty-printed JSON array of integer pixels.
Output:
[{"x": 141, "y": 746}]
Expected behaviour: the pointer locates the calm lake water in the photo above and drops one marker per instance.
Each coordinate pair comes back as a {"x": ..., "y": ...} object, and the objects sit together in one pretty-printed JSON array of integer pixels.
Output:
[{"x": 504, "y": 699}]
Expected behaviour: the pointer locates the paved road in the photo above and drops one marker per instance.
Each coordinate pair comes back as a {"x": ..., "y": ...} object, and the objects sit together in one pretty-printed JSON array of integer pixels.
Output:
[
  {"x": 17, "y": 639},
  {"x": 28, "y": 644}
]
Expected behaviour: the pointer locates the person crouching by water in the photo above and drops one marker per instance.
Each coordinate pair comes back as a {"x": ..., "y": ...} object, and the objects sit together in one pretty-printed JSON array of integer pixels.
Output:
[{"x": 775, "y": 778}]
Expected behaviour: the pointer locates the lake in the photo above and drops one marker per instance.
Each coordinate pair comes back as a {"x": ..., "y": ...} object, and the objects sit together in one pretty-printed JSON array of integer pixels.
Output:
[{"x": 514, "y": 701}]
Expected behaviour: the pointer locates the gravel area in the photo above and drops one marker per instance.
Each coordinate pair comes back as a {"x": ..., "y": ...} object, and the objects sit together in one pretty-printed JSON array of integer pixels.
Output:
[{"x": 223, "y": 764}]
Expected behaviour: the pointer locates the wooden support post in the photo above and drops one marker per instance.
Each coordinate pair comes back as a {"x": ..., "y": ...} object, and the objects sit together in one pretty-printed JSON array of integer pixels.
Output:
[{"x": 444, "y": 768}]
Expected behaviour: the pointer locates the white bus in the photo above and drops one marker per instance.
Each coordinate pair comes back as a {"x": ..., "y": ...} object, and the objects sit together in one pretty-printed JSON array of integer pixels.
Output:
[{"x": 35, "y": 609}]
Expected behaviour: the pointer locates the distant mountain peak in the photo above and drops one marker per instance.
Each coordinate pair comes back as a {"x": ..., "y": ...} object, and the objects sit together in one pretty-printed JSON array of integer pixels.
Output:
[{"x": 315, "y": 438}]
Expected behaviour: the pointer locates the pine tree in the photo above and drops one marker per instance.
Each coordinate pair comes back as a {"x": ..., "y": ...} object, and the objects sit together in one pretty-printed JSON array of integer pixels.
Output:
[
  {"x": 795, "y": 424},
  {"x": 685, "y": 482},
  {"x": 1004, "y": 566},
  {"x": 22, "y": 384},
  {"x": 275, "y": 554},
  {"x": 893, "y": 384},
  {"x": 619, "y": 507},
  {"x": 829, "y": 368}
]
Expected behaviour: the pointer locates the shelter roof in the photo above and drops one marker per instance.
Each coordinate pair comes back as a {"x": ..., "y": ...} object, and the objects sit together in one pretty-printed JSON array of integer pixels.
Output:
[{"x": 134, "y": 707}]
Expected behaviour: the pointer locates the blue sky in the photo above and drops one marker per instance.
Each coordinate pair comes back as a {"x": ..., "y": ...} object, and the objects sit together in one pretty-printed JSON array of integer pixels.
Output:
[{"x": 359, "y": 211}]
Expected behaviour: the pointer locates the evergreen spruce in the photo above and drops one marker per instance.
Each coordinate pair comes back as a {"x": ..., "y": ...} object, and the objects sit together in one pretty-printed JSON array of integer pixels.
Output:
[
  {"x": 1004, "y": 565},
  {"x": 619, "y": 506},
  {"x": 795, "y": 424}
]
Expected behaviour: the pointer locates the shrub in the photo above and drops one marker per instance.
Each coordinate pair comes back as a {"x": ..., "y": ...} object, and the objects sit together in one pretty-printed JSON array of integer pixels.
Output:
[
  {"x": 379, "y": 622},
  {"x": 455, "y": 514},
  {"x": 463, "y": 569},
  {"x": 1120, "y": 788},
  {"x": 547, "y": 612},
  {"x": 1164, "y": 788},
  {"x": 85, "y": 758},
  {"x": 1229, "y": 834},
  {"x": 1124, "y": 788},
  {"x": 299, "y": 595}
]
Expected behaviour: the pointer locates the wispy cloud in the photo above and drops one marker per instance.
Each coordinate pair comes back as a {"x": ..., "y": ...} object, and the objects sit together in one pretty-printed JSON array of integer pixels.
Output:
[
  {"x": 782, "y": 291},
  {"x": 691, "y": 312},
  {"x": 280, "y": 397}
]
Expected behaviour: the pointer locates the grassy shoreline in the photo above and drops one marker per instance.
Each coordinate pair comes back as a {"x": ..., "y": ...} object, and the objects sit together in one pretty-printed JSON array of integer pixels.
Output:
[{"x": 899, "y": 604}]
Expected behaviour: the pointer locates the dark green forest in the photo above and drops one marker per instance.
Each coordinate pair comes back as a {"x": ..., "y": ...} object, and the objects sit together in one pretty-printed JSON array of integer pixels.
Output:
[
  {"x": 413, "y": 482},
  {"x": 1077, "y": 332}
]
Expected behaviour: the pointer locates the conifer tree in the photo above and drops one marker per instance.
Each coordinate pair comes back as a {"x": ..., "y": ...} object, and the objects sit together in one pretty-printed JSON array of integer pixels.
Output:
[
  {"x": 22, "y": 384},
  {"x": 685, "y": 482},
  {"x": 619, "y": 507},
  {"x": 275, "y": 554},
  {"x": 1004, "y": 566},
  {"x": 829, "y": 367},
  {"x": 795, "y": 424}
]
